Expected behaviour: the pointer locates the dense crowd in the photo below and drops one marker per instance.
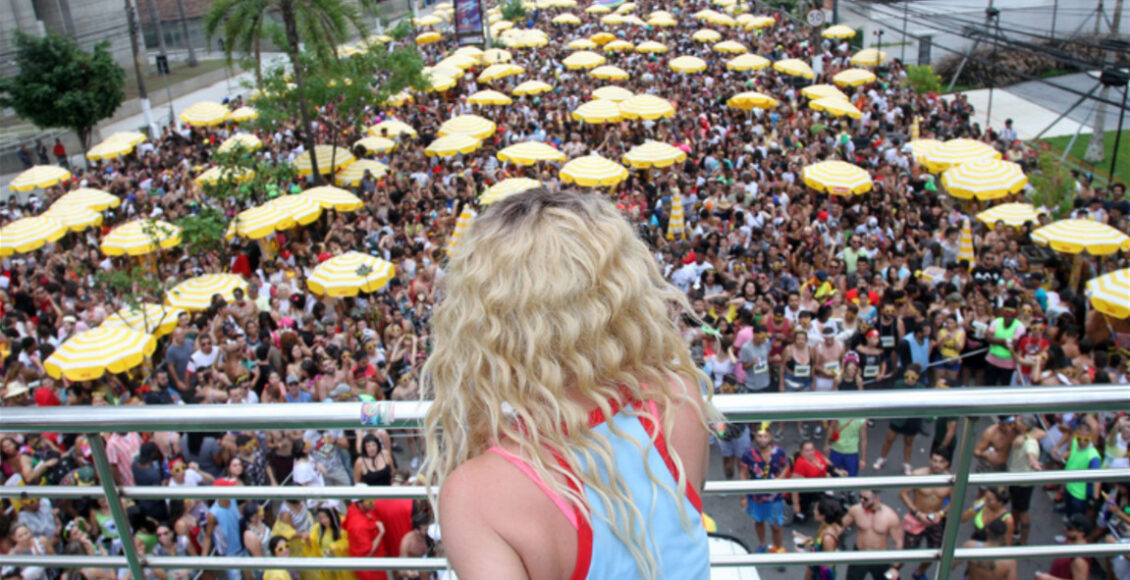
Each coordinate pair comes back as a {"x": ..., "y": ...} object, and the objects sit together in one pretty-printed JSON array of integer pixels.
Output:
[{"x": 792, "y": 290}]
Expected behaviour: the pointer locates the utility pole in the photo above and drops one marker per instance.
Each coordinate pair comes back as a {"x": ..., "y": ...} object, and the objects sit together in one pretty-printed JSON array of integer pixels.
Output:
[
  {"x": 155, "y": 16},
  {"x": 992, "y": 13},
  {"x": 184, "y": 31},
  {"x": 135, "y": 44},
  {"x": 905, "y": 18},
  {"x": 1095, "y": 149}
]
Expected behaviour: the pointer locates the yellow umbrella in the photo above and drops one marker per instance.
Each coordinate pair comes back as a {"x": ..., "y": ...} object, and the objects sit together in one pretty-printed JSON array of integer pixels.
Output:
[
  {"x": 452, "y": 145},
  {"x": 489, "y": 97},
  {"x": 461, "y": 225},
  {"x": 1110, "y": 293},
  {"x": 853, "y": 77},
  {"x": 245, "y": 140},
  {"x": 752, "y": 100},
  {"x": 566, "y": 18},
  {"x": 471, "y": 125},
  {"x": 633, "y": 20},
  {"x": 598, "y": 111},
  {"x": 215, "y": 175},
  {"x": 837, "y": 178},
  {"x": 302, "y": 210},
  {"x": 88, "y": 355},
  {"x": 1010, "y": 214},
  {"x": 350, "y": 274},
  {"x": 654, "y": 154},
  {"x": 95, "y": 199},
  {"x": 527, "y": 39},
  {"x": 661, "y": 22},
  {"x": 506, "y": 188},
  {"x": 612, "y": 93},
  {"x": 747, "y": 62},
  {"x": 243, "y": 114},
  {"x": 731, "y": 47},
  {"x": 836, "y": 107},
  {"x": 721, "y": 19},
  {"x": 76, "y": 217},
  {"x": 109, "y": 149},
  {"x": 921, "y": 148},
  {"x": 563, "y": 3},
  {"x": 823, "y": 91},
  {"x": 428, "y": 38},
  {"x": 259, "y": 222},
  {"x": 626, "y": 8},
  {"x": 593, "y": 171},
  {"x": 392, "y": 128},
  {"x": 583, "y": 59},
  {"x": 440, "y": 82},
  {"x": 651, "y": 46},
  {"x": 195, "y": 294},
  {"x": 676, "y": 222},
  {"x": 608, "y": 72},
  {"x": 426, "y": 21},
  {"x": 531, "y": 88},
  {"x": 869, "y": 57},
  {"x": 582, "y": 44},
  {"x": 706, "y": 35},
  {"x": 375, "y": 144},
  {"x": 335, "y": 198},
  {"x": 499, "y": 71},
  {"x": 704, "y": 13},
  {"x": 602, "y": 38},
  {"x": 140, "y": 237},
  {"x": 205, "y": 114},
  {"x": 473, "y": 52},
  {"x": 40, "y": 176},
  {"x": 351, "y": 176},
  {"x": 500, "y": 26},
  {"x": 619, "y": 46},
  {"x": 965, "y": 245},
  {"x": 760, "y": 22},
  {"x": 956, "y": 152},
  {"x": 687, "y": 64},
  {"x": 984, "y": 179},
  {"x": 598, "y": 9},
  {"x": 29, "y": 234},
  {"x": 612, "y": 20},
  {"x": 660, "y": 14},
  {"x": 794, "y": 68},
  {"x": 647, "y": 107},
  {"x": 458, "y": 61},
  {"x": 1077, "y": 236},
  {"x": 131, "y": 137},
  {"x": 529, "y": 153},
  {"x": 329, "y": 157},
  {"x": 155, "y": 319},
  {"x": 838, "y": 31},
  {"x": 496, "y": 56}
]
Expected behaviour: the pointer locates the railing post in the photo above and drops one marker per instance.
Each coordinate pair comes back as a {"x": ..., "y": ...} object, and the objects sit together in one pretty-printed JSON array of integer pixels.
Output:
[
  {"x": 117, "y": 510},
  {"x": 964, "y": 455}
]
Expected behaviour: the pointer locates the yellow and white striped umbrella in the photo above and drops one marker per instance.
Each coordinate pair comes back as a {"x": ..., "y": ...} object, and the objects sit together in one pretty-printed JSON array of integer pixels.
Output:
[
  {"x": 470, "y": 125},
  {"x": 581, "y": 44},
  {"x": 837, "y": 178},
  {"x": 392, "y": 128},
  {"x": 676, "y": 222},
  {"x": 490, "y": 97},
  {"x": 351, "y": 176},
  {"x": 626, "y": 7},
  {"x": 155, "y": 319},
  {"x": 531, "y": 88},
  {"x": 965, "y": 245},
  {"x": 593, "y": 171},
  {"x": 243, "y": 114},
  {"x": 109, "y": 149},
  {"x": 794, "y": 67},
  {"x": 822, "y": 92},
  {"x": 375, "y": 145},
  {"x": 1010, "y": 214},
  {"x": 259, "y": 222},
  {"x": 499, "y": 71},
  {"x": 958, "y": 151},
  {"x": 335, "y": 198},
  {"x": 598, "y": 9},
  {"x": 836, "y": 107},
  {"x": 461, "y": 225},
  {"x": 752, "y": 100},
  {"x": 302, "y": 210},
  {"x": 747, "y": 61},
  {"x": 215, "y": 175},
  {"x": 89, "y": 355},
  {"x": 428, "y": 38},
  {"x": 598, "y": 111},
  {"x": 131, "y": 137},
  {"x": 649, "y": 46},
  {"x": 760, "y": 22},
  {"x": 838, "y": 31},
  {"x": 719, "y": 19},
  {"x": 526, "y": 38},
  {"x": 350, "y": 274},
  {"x": 660, "y": 14},
  {"x": 609, "y": 72},
  {"x": 29, "y": 234},
  {"x": 706, "y": 35},
  {"x": 612, "y": 93},
  {"x": 245, "y": 140},
  {"x": 654, "y": 154},
  {"x": 1078, "y": 236},
  {"x": 646, "y": 107},
  {"x": 619, "y": 46},
  {"x": 195, "y": 294},
  {"x": 687, "y": 64},
  {"x": 661, "y": 22},
  {"x": 452, "y": 145},
  {"x": 921, "y": 148},
  {"x": 1110, "y": 293},
  {"x": 40, "y": 176},
  {"x": 730, "y": 46},
  {"x": 869, "y": 57},
  {"x": 95, "y": 199},
  {"x": 399, "y": 99},
  {"x": 76, "y": 217},
  {"x": 704, "y": 13},
  {"x": 583, "y": 59},
  {"x": 853, "y": 77},
  {"x": 426, "y": 21},
  {"x": 205, "y": 114},
  {"x": 140, "y": 237},
  {"x": 567, "y": 18},
  {"x": 440, "y": 82},
  {"x": 496, "y": 56},
  {"x": 329, "y": 157},
  {"x": 529, "y": 153},
  {"x": 506, "y": 188},
  {"x": 984, "y": 179}
]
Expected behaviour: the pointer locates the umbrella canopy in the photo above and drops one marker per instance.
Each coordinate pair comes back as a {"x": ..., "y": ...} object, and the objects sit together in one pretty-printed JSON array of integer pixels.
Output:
[
  {"x": 215, "y": 175},
  {"x": 330, "y": 159},
  {"x": 760, "y": 22},
  {"x": 654, "y": 154},
  {"x": 29, "y": 234},
  {"x": 651, "y": 46},
  {"x": 452, "y": 145},
  {"x": 506, "y": 188},
  {"x": 823, "y": 91},
  {"x": 499, "y": 71},
  {"x": 259, "y": 222},
  {"x": 609, "y": 72},
  {"x": 350, "y": 274},
  {"x": 140, "y": 237},
  {"x": 838, "y": 31},
  {"x": 619, "y": 46},
  {"x": 461, "y": 225},
  {"x": 375, "y": 145},
  {"x": 334, "y": 198},
  {"x": 195, "y": 294},
  {"x": 720, "y": 19},
  {"x": 984, "y": 179},
  {"x": 794, "y": 68},
  {"x": 566, "y": 18},
  {"x": 392, "y": 128},
  {"x": 489, "y": 97},
  {"x": 647, "y": 107},
  {"x": 661, "y": 22},
  {"x": 76, "y": 217},
  {"x": 582, "y": 44},
  {"x": 869, "y": 57},
  {"x": 470, "y": 125},
  {"x": 921, "y": 148},
  {"x": 398, "y": 99},
  {"x": 612, "y": 93},
  {"x": 302, "y": 210},
  {"x": 353, "y": 175},
  {"x": 243, "y": 114},
  {"x": 155, "y": 319},
  {"x": 428, "y": 38},
  {"x": 598, "y": 111},
  {"x": 109, "y": 149},
  {"x": 706, "y": 35},
  {"x": 602, "y": 38},
  {"x": 837, "y": 178},
  {"x": 965, "y": 246},
  {"x": 676, "y": 222},
  {"x": 1078, "y": 236},
  {"x": 131, "y": 137},
  {"x": 583, "y": 59},
  {"x": 88, "y": 197},
  {"x": 593, "y": 171},
  {"x": 529, "y": 153},
  {"x": 531, "y": 88},
  {"x": 496, "y": 56},
  {"x": 87, "y": 356},
  {"x": 853, "y": 77},
  {"x": 441, "y": 82},
  {"x": 687, "y": 64},
  {"x": 426, "y": 21},
  {"x": 747, "y": 61},
  {"x": 752, "y": 100},
  {"x": 205, "y": 114},
  {"x": 1110, "y": 293},
  {"x": 730, "y": 46},
  {"x": 958, "y": 151},
  {"x": 598, "y": 9},
  {"x": 40, "y": 176},
  {"x": 240, "y": 140},
  {"x": 1011, "y": 214},
  {"x": 836, "y": 107}
]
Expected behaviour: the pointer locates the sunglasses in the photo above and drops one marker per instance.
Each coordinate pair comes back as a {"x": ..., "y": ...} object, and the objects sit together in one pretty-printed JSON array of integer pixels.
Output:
[
  {"x": 177, "y": 469},
  {"x": 1083, "y": 439}
]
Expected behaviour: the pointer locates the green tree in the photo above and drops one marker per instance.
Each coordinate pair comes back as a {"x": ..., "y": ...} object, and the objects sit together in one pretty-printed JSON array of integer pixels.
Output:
[
  {"x": 923, "y": 79},
  {"x": 513, "y": 11},
  {"x": 1052, "y": 186},
  {"x": 59, "y": 85}
]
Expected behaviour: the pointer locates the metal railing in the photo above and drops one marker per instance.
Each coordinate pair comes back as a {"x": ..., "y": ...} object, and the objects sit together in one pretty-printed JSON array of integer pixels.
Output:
[{"x": 968, "y": 403}]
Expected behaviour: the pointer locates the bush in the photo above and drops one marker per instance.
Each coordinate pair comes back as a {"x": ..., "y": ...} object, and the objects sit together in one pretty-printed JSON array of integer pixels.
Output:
[
  {"x": 1053, "y": 186},
  {"x": 514, "y": 11},
  {"x": 923, "y": 79}
]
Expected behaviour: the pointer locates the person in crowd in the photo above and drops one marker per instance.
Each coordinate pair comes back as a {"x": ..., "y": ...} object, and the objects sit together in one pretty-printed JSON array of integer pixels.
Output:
[
  {"x": 927, "y": 508},
  {"x": 877, "y": 527},
  {"x": 766, "y": 461}
]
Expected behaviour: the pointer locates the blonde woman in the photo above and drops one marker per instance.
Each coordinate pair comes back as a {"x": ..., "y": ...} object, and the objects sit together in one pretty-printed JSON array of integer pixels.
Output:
[{"x": 568, "y": 434}]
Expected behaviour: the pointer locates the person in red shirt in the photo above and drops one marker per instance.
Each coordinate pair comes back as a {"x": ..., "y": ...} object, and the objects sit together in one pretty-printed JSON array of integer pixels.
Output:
[
  {"x": 1031, "y": 353},
  {"x": 367, "y": 535},
  {"x": 809, "y": 463}
]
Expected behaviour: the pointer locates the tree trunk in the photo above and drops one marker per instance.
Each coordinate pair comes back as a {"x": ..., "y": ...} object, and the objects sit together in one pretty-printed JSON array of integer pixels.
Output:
[
  {"x": 184, "y": 30},
  {"x": 290, "y": 22},
  {"x": 258, "y": 62},
  {"x": 84, "y": 142}
]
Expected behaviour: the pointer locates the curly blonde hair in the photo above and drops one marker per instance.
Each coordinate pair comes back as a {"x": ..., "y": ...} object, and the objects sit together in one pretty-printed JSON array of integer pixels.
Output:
[{"x": 551, "y": 304}]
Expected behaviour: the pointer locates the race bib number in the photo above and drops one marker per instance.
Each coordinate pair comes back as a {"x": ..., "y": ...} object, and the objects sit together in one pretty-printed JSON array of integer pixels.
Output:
[
  {"x": 870, "y": 371},
  {"x": 760, "y": 367},
  {"x": 832, "y": 367},
  {"x": 802, "y": 370},
  {"x": 887, "y": 341},
  {"x": 979, "y": 329}
]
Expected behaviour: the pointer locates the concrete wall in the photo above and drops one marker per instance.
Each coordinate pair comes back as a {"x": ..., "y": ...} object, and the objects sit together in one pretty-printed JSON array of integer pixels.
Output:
[{"x": 87, "y": 21}]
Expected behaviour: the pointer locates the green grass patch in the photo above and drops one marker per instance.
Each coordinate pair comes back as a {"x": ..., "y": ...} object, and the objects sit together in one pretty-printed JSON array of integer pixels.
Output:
[
  {"x": 1121, "y": 168},
  {"x": 155, "y": 83}
]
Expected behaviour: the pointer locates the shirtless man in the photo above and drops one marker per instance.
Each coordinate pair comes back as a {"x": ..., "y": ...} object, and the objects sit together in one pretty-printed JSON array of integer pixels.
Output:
[
  {"x": 826, "y": 358},
  {"x": 995, "y": 444},
  {"x": 990, "y": 569},
  {"x": 876, "y": 524},
  {"x": 927, "y": 508}
]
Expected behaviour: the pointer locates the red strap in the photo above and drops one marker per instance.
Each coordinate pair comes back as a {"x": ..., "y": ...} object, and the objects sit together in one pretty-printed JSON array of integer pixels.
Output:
[{"x": 651, "y": 425}]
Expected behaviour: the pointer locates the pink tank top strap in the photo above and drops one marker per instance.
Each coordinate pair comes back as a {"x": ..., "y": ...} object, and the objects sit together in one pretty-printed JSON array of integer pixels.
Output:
[{"x": 556, "y": 498}]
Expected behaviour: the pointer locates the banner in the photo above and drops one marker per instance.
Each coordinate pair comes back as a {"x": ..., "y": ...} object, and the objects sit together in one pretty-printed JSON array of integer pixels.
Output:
[{"x": 469, "y": 22}]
